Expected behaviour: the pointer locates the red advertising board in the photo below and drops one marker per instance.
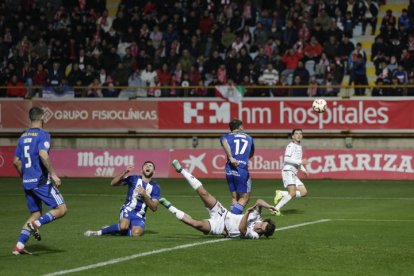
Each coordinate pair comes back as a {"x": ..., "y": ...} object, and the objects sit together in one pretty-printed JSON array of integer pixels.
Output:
[
  {"x": 209, "y": 163},
  {"x": 95, "y": 116},
  {"x": 178, "y": 115}
]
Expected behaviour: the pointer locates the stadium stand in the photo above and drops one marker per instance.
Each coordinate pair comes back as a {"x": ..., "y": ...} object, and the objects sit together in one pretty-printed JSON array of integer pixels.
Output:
[{"x": 94, "y": 48}]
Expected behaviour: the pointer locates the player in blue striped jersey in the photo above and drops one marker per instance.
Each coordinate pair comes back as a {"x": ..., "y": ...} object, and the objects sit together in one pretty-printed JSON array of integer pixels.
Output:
[
  {"x": 239, "y": 148},
  {"x": 143, "y": 193},
  {"x": 33, "y": 165}
]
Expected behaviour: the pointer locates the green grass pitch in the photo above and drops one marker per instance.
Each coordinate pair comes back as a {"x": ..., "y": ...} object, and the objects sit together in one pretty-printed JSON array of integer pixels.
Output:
[{"x": 368, "y": 230}]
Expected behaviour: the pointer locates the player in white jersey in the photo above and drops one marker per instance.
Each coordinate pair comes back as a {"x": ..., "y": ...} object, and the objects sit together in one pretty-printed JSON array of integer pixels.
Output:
[
  {"x": 222, "y": 222},
  {"x": 292, "y": 163}
]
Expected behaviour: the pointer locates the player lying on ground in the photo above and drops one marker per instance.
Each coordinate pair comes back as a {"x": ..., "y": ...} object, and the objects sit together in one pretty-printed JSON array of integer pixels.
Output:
[
  {"x": 143, "y": 192},
  {"x": 222, "y": 222}
]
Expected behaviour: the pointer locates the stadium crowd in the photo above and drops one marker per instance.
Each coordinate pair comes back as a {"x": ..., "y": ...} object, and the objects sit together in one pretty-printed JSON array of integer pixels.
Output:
[{"x": 155, "y": 43}]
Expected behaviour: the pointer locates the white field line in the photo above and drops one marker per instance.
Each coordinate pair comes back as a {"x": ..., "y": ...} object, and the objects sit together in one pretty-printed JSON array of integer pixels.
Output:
[
  {"x": 139, "y": 255},
  {"x": 376, "y": 220}
]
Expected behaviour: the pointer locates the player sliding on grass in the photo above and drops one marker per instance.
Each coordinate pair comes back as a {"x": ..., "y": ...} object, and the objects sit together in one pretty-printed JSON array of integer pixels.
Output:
[
  {"x": 143, "y": 192},
  {"x": 292, "y": 162},
  {"x": 222, "y": 222}
]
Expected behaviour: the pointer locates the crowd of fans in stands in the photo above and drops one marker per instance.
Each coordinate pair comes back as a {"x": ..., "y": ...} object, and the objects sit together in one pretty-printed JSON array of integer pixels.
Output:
[{"x": 187, "y": 43}]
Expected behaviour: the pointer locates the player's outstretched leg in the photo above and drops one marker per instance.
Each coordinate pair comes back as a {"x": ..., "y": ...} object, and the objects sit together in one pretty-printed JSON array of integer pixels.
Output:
[
  {"x": 278, "y": 196},
  {"x": 167, "y": 204},
  {"x": 194, "y": 182},
  {"x": 201, "y": 225}
]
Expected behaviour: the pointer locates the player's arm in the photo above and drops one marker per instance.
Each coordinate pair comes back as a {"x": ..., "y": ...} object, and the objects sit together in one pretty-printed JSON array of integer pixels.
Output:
[
  {"x": 117, "y": 180},
  {"x": 44, "y": 156},
  {"x": 18, "y": 165},
  {"x": 243, "y": 222},
  {"x": 227, "y": 150},
  {"x": 151, "y": 203},
  {"x": 260, "y": 203}
]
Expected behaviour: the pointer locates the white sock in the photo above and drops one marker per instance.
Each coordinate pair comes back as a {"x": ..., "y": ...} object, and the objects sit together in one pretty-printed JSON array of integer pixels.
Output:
[
  {"x": 283, "y": 201},
  {"x": 284, "y": 193},
  {"x": 178, "y": 213},
  {"x": 20, "y": 245},
  {"x": 194, "y": 182},
  {"x": 100, "y": 233},
  {"x": 298, "y": 194}
]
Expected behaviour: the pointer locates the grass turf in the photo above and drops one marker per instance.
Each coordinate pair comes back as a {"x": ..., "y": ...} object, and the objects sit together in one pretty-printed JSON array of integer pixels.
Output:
[{"x": 370, "y": 232}]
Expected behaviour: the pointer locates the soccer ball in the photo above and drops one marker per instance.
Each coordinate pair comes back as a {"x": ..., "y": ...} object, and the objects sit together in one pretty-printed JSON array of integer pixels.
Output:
[{"x": 319, "y": 105}]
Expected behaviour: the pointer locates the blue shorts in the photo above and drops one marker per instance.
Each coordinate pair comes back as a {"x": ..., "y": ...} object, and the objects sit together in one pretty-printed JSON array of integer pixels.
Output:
[
  {"x": 133, "y": 217},
  {"x": 238, "y": 180},
  {"x": 49, "y": 194}
]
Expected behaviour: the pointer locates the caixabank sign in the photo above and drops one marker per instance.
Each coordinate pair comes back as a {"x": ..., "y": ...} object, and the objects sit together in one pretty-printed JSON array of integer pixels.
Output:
[{"x": 209, "y": 163}]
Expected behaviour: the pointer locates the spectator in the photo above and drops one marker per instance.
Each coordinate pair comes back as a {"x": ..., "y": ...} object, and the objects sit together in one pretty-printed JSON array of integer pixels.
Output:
[
  {"x": 359, "y": 75},
  {"x": 16, "y": 88},
  {"x": 329, "y": 87},
  {"x": 369, "y": 12},
  {"x": 270, "y": 76},
  {"x": 312, "y": 50}
]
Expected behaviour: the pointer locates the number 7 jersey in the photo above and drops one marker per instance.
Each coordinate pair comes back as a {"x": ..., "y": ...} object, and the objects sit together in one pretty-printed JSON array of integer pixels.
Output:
[{"x": 30, "y": 143}]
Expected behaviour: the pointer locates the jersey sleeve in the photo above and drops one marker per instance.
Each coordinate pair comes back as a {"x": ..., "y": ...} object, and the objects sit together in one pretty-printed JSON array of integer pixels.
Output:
[
  {"x": 44, "y": 142},
  {"x": 127, "y": 180},
  {"x": 156, "y": 192},
  {"x": 222, "y": 138}
]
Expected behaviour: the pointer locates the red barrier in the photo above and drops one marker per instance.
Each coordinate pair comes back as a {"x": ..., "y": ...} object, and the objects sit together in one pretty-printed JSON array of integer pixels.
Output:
[
  {"x": 209, "y": 163},
  {"x": 260, "y": 116}
]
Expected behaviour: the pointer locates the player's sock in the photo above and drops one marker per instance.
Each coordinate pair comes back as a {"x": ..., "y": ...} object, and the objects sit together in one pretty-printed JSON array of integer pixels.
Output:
[
  {"x": 44, "y": 219},
  {"x": 178, "y": 213},
  {"x": 284, "y": 193},
  {"x": 237, "y": 208},
  {"x": 111, "y": 230},
  {"x": 283, "y": 201},
  {"x": 298, "y": 194},
  {"x": 194, "y": 182},
  {"x": 23, "y": 238}
]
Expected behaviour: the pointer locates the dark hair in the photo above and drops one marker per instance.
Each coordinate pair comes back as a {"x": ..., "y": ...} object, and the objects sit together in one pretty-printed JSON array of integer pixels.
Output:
[
  {"x": 270, "y": 228},
  {"x": 146, "y": 162},
  {"x": 295, "y": 129},
  {"x": 235, "y": 124},
  {"x": 35, "y": 113}
]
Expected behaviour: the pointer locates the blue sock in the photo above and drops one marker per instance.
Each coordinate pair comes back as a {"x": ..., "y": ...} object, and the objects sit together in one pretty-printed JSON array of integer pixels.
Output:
[
  {"x": 24, "y": 236},
  {"x": 111, "y": 230},
  {"x": 237, "y": 208},
  {"x": 46, "y": 218}
]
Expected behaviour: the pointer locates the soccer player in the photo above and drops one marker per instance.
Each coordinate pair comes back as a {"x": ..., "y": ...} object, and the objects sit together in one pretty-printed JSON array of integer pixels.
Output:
[
  {"x": 292, "y": 163},
  {"x": 248, "y": 225},
  {"x": 143, "y": 192},
  {"x": 239, "y": 148},
  {"x": 40, "y": 181}
]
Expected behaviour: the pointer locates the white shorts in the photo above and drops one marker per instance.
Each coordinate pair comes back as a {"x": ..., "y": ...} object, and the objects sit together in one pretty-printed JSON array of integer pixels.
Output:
[
  {"x": 290, "y": 178},
  {"x": 217, "y": 215}
]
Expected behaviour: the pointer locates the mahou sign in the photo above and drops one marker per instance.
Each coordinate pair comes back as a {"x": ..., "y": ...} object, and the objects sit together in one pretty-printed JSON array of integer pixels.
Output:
[
  {"x": 177, "y": 115},
  {"x": 209, "y": 163}
]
